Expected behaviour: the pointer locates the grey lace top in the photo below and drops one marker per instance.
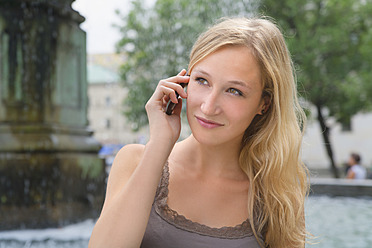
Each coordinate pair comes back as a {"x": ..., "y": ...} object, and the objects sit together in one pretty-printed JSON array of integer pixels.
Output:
[{"x": 168, "y": 229}]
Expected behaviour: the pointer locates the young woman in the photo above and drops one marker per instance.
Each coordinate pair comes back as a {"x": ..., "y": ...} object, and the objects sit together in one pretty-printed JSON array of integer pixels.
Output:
[{"x": 237, "y": 181}]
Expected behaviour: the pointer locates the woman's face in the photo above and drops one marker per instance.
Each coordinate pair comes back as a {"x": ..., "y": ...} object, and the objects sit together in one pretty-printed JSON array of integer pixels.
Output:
[{"x": 224, "y": 95}]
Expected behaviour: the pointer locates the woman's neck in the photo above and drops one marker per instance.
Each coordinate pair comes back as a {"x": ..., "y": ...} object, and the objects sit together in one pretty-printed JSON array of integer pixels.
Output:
[{"x": 219, "y": 161}]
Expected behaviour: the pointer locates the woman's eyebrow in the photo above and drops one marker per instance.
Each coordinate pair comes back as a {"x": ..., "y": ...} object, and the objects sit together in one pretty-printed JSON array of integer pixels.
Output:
[
  {"x": 240, "y": 83},
  {"x": 202, "y": 72}
]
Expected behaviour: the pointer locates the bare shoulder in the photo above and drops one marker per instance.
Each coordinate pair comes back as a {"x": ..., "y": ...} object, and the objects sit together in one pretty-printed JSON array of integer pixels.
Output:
[
  {"x": 125, "y": 163},
  {"x": 129, "y": 155},
  {"x": 126, "y": 160}
]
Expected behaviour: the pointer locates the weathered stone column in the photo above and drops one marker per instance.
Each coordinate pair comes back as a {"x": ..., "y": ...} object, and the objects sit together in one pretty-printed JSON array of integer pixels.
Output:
[{"x": 50, "y": 173}]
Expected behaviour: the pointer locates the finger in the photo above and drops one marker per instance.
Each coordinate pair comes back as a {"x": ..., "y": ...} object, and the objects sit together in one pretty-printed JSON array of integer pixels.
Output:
[
  {"x": 169, "y": 93},
  {"x": 171, "y": 88},
  {"x": 177, "y": 87},
  {"x": 178, "y": 79},
  {"x": 165, "y": 100},
  {"x": 157, "y": 99},
  {"x": 182, "y": 73},
  {"x": 177, "y": 110}
]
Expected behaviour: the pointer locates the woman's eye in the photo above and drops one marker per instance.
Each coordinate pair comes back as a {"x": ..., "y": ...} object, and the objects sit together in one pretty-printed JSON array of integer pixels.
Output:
[
  {"x": 201, "y": 81},
  {"x": 235, "y": 92}
]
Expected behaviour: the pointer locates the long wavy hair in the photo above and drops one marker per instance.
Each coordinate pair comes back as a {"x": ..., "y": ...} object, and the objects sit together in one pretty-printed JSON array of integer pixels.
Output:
[{"x": 270, "y": 151}]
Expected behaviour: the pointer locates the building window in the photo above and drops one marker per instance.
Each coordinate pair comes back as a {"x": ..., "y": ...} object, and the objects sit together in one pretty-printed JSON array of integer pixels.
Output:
[
  {"x": 108, "y": 101},
  {"x": 346, "y": 127},
  {"x": 108, "y": 124}
]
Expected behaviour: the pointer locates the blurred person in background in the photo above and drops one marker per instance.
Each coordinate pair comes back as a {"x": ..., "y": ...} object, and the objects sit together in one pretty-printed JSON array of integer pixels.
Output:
[{"x": 355, "y": 171}]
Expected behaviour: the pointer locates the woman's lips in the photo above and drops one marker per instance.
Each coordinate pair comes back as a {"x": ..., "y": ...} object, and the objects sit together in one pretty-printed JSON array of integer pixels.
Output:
[{"x": 207, "y": 123}]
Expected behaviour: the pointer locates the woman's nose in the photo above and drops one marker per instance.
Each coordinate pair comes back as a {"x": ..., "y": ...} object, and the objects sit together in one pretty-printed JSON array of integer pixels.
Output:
[{"x": 210, "y": 104}]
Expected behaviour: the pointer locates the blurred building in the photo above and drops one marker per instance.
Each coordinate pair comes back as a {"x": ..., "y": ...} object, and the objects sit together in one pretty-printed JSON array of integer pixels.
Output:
[
  {"x": 358, "y": 139},
  {"x": 106, "y": 95}
]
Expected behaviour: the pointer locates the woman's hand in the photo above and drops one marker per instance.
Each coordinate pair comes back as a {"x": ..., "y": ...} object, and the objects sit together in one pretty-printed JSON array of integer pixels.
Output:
[{"x": 163, "y": 127}]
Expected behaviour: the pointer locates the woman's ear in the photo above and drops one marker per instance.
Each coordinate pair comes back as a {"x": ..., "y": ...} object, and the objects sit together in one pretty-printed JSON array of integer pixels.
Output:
[{"x": 266, "y": 102}]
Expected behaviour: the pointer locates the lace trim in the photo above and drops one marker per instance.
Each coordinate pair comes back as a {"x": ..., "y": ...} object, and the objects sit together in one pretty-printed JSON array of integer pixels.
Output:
[{"x": 172, "y": 217}]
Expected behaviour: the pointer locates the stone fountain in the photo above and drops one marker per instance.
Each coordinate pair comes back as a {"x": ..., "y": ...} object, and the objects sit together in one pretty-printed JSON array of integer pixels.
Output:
[{"x": 50, "y": 173}]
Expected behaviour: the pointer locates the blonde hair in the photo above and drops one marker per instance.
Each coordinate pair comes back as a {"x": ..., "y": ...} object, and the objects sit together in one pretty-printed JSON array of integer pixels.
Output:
[{"x": 270, "y": 153}]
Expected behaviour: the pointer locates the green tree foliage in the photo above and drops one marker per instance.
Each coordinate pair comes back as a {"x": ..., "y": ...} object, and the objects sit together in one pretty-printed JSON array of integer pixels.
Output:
[
  {"x": 157, "y": 41},
  {"x": 330, "y": 41}
]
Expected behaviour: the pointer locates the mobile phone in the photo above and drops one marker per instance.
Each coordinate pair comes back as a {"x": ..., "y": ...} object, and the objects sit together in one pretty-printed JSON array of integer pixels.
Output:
[{"x": 171, "y": 105}]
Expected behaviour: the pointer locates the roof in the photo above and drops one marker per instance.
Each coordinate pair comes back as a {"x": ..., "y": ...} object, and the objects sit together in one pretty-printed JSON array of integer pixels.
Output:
[{"x": 99, "y": 74}]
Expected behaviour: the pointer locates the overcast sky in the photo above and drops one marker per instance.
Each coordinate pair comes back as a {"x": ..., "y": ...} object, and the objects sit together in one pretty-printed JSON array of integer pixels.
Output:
[{"x": 100, "y": 16}]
